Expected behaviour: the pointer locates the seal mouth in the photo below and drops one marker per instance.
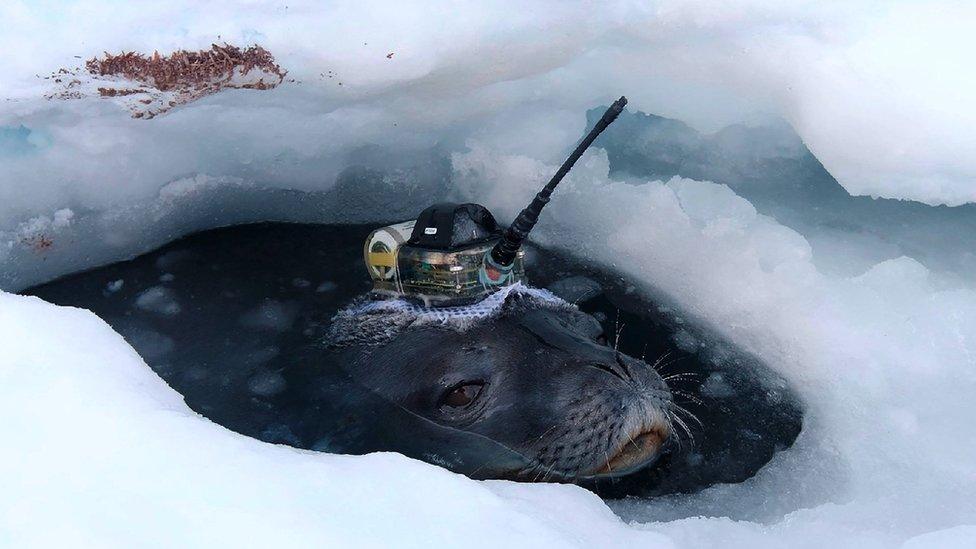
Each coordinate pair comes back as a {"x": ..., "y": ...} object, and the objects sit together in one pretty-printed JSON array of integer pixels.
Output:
[{"x": 637, "y": 452}]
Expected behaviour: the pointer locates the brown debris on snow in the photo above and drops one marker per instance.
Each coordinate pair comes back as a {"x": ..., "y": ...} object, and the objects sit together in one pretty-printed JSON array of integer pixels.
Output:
[
  {"x": 114, "y": 92},
  {"x": 175, "y": 79},
  {"x": 38, "y": 243},
  {"x": 184, "y": 70}
]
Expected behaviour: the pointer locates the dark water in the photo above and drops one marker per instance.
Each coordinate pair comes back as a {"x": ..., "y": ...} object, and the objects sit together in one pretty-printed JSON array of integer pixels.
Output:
[{"x": 224, "y": 316}]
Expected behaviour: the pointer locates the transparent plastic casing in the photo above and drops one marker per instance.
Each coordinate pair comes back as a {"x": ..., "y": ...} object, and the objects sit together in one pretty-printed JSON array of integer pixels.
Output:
[{"x": 434, "y": 277}]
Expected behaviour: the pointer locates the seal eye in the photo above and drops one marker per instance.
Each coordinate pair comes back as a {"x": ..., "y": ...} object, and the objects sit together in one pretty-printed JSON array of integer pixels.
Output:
[{"x": 462, "y": 395}]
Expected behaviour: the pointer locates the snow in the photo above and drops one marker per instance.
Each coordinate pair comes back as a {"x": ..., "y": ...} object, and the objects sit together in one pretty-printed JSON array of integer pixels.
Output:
[
  {"x": 105, "y": 453},
  {"x": 481, "y": 105},
  {"x": 188, "y": 185},
  {"x": 883, "y": 360}
]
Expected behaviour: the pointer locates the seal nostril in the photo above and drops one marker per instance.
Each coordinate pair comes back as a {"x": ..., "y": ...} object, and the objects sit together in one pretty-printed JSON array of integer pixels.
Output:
[{"x": 608, "y": 369}]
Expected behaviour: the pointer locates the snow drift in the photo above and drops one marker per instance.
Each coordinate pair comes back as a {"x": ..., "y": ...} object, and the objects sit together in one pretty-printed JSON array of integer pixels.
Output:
[
  {"x": 479, "y": 103},
  {"x": 102, "y": 452}
]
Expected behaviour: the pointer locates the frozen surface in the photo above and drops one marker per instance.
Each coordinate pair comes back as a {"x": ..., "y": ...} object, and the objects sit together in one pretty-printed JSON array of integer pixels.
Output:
[
  {"x": 877, "y": 335},
  {"x": 878, "y": 90},
  {"x": 105, "y": 453}
]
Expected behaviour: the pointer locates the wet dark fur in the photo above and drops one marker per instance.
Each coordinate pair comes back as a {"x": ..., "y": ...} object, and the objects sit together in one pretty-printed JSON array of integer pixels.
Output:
[{"x": 553, "y": 391}]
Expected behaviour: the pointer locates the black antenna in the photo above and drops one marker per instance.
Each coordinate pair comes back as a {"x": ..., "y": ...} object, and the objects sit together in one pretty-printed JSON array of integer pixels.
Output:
[{"x": 503, "y": 254}]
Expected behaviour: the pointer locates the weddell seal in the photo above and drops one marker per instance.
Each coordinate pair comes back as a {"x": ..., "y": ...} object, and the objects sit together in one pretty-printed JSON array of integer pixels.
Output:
[
  {"x": 237, "y": 320},
  {"x": 452, "y": 334},
  {"x": 522, "y": 368},
  {"x": 451, "y": 358}
]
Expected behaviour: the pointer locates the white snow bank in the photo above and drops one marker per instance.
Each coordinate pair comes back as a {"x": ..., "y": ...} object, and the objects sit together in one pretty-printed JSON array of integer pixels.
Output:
[
  {"x": 884, "y": 361},
  {"x": 99, "y": 451},
  {"x": 879, "y": 91},
  {"x": 99, "y": 447}
]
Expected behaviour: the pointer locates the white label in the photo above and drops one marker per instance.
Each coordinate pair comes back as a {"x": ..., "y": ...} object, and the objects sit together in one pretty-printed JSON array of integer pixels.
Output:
[{"x": 430, "y": 230}]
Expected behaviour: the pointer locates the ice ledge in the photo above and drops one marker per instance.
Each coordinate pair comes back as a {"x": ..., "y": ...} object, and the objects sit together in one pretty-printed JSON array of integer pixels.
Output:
[{"x": 100, "y": 451}]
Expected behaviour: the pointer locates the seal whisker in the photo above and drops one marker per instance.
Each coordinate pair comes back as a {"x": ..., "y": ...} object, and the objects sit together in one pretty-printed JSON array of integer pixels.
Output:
[
  {"x": 684, "y": 426},
  {"x": 660, "y": 359},
  {"x": 477, "y": 469},
  {"x": 541, "y": 475},
  {"x": 538, "y": 468},
  {"x": 669, "y": 414},
  {"x": 658, "y": 366},
  {"x": 545, "y": 477},
  {"x": 541, "y": 469},
  {"x": 616, "y": 339},
  {"x": 678, "y": 408},
  {"x": 616, "y": 325},
  {"x": 688, "y": 413},
  {"x": 693, "y": 398},
  {"x": 681, "y": 375},
  {"x": 630, "y": 438},
  {"x": 544, "y": 433}
]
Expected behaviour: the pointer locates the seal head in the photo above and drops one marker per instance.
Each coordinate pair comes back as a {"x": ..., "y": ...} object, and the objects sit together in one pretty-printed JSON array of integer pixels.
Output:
[{"x": 522, "y": 368}]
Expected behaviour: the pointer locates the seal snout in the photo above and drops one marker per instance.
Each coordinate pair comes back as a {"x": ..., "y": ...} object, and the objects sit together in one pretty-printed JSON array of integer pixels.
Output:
[{"x": 645, "y": 427}]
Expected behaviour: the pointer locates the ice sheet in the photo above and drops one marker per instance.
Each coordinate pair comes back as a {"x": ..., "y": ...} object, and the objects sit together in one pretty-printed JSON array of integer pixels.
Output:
[{"x": 480, "y": 102}]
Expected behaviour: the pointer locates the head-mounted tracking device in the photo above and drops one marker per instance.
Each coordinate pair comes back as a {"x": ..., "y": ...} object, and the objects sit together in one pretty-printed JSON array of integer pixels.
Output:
[{"x": 455, "y": 254}]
